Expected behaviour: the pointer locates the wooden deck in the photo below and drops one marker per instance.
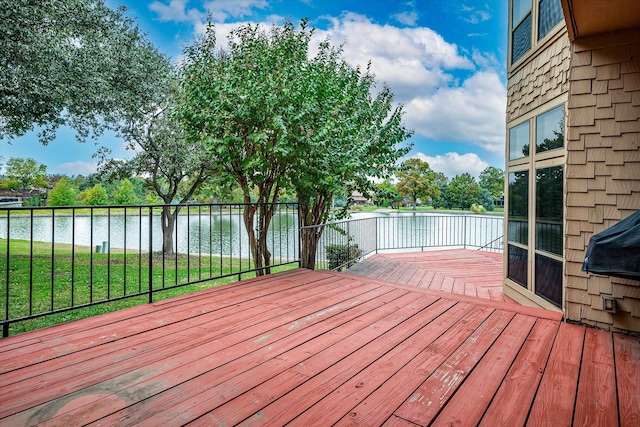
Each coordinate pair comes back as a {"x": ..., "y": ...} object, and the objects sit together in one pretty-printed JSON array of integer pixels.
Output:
[
  {"x": 459, "y": 271},
  {"x": 320, "y": 348}
]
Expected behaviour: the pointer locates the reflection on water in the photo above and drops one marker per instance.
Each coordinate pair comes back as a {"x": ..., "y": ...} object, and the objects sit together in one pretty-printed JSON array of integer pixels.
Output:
[
  {"x": 220, "y": 232},
  {"x": 209, "y": 233}
]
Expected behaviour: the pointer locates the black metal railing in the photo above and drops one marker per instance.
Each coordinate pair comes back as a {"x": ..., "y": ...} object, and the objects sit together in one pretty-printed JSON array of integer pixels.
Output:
[
  {"x": 345, "y": 242},
  {"x": 54, "y": 260},
  {"x": 61, "y": 261}
]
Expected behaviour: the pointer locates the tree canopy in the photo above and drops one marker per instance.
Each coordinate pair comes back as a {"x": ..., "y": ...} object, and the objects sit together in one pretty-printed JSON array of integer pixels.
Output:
[
  {"x": 73, "y": 63},
  {"x": 492, "y": 180},
  {"x": 417, "y": 180},
  {"x": 273, "y": 117},
  {"x": 27, "y": 174}
]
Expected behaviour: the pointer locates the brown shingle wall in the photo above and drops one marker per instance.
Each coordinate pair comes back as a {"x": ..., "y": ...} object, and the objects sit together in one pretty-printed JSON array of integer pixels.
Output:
[
  {"x": 539, "y": 80},
  {"x": 603, "y": 170}
]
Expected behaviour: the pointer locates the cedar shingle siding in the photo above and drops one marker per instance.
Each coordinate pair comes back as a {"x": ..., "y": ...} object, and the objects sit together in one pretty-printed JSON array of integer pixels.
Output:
[{"x": 603, "y": 171}]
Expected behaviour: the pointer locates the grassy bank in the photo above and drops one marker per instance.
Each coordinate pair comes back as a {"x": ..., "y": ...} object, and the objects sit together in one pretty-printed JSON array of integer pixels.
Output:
[{"x": 42, "y": 278}]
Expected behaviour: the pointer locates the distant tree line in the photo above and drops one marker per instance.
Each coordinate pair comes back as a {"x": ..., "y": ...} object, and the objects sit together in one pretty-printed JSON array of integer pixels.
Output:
[{"x": 416, "y": 183}]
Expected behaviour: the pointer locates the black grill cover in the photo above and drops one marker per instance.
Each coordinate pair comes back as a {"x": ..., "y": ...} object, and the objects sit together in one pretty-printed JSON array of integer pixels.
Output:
[{"x": 616, "y": 250}]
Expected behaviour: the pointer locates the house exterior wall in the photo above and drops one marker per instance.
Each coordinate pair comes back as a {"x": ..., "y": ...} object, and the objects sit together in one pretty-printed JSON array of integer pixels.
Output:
[
  {"x": 602, "y": 170},
  {"x": 544, "y": 77}
]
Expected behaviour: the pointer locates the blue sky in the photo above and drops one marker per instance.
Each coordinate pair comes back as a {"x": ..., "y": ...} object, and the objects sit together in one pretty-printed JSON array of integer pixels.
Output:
[{"x": 443, "y": 59}]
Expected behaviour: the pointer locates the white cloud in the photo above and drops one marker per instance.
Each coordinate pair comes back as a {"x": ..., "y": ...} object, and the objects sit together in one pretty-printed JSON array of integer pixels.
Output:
[
  {"x": 473, "y": 112},
  {"x": 78, "y": 168},
  {"x": 420, "y": 67},
  {"x": 452, "y": 164},
  {"x": 476, "y": 15},
  {"x": 412, "y": 61},
  {"x": 219, "y": 10},
  {"x": 406, "y": 18}
]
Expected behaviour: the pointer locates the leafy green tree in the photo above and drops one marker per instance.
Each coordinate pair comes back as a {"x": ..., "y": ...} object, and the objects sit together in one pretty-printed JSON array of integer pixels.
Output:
[
  {"x": 175, "y": 166},
  {"x": 27, "y": 173},
  {"x": 463, "y": 191},
  {"x": 386, "y": 194},
  {"x": 242, "y": 103},
  {"x": 486, "y": 200},
  {"x": 348, "y": 136},
  {"x": 492, "y": 180},
  {"x": 72, "y": 62},
  {"x": 125, "y": 194},
  {"x": 95, "y": 196},
  {"x": 63, "y": 194},
  {"x": 416, "y": 180},
  {"x": 272, "y": 117}
]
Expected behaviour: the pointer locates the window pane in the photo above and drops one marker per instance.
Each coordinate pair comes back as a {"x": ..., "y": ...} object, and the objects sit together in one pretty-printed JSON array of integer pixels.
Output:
[
  {"x": 517, "y": 265},
  {"x": 550, "y": 130},
  {"x": 550, "y": 13},
  {"x": 549, "y": 209},
  {"x": 521, "y": 39},
  {"x": 520, "y": 9},
  {"x": 518, "y": 208},
  {"x": 549, "y": 279},
  {"x": 519, "y": 141}
]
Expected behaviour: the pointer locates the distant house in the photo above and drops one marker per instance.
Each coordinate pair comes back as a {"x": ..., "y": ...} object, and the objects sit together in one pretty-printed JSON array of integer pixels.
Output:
[
  {"x": 359, "y": 199},
  {"x": 573, "y": 152}
]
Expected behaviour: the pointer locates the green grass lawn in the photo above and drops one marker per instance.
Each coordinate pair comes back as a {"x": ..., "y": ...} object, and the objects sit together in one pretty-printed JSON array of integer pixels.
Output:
[{"x": 42, "y": 278}]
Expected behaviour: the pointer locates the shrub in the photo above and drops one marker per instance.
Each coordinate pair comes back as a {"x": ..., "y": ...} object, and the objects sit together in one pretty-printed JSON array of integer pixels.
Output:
[
  {"x": 477, "y": 209},
  {"x": 342, "y": 255}
]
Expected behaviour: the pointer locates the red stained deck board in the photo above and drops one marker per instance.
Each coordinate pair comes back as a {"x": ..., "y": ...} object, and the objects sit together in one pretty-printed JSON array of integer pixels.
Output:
[
  {"x": 182, "y": 325},
  {"x": 174, "y": 339},
  {"x": 467, "y": 406},
  {"x": 342, "y": 399},
  {"x": 142, "y": 379},
  {"x": 458, "y": 271},
  {"x": 627, "y": 359},
  {"x": 398, "y": 422},
  {"x": 514, "y": 398},
  {"x": 380, "y": 404},
  {"x": 207, "y": 391},
  {"x": 560, "y": 379},
  {"x": 323, "y": 382},
  {"x": 431, "y": 396},
  {"x": 302, "y": 345},
  {"x": 366, "y": 343},
  {"x": 596, "y": 402}
]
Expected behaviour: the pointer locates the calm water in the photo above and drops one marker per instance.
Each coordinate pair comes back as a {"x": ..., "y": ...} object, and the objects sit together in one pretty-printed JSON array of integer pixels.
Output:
[{"x": 223, "y": 233}]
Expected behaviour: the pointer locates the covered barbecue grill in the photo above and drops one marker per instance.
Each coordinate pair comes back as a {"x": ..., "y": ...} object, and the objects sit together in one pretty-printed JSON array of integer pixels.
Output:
[{"x": 616, "y": 250}]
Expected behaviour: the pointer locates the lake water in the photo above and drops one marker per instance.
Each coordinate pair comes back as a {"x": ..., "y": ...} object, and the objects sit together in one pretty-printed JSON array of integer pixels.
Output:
[{"x": 224, "y": 233}]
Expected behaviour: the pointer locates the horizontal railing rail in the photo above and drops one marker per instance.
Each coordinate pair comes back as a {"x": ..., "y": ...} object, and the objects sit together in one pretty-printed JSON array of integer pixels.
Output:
[
  {"x": 345, "y": 242},
  {"x": 57, "y": 259}
]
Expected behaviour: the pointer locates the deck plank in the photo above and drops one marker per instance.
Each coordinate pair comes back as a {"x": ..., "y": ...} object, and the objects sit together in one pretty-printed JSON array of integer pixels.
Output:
[
  {"x": 379, "y": 405},
  {"x": 190, "y": 358},
  {"x": 432, "y": 395},
  {"x": 342, "y": 399},
  {"x": 560, "y": 379},
  {"x": 326, "y": 347},
  {"x": 626, "y": 351},
  {"x": 519, "y": 387},
  {"x": 596, "y": 403},
  {"x": 466, "y": 407}
]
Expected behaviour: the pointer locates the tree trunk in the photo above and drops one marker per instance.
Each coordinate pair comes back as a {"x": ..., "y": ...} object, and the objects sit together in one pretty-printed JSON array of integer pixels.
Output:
[
  {"x": 313, "y": 213},
  {"x": 254, "y": 246},
  {"x": 168, "y": 224}
]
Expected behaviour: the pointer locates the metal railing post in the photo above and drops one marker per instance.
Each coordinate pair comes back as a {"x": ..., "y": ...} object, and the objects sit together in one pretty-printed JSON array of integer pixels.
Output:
[{"x": 150, "y": 254}]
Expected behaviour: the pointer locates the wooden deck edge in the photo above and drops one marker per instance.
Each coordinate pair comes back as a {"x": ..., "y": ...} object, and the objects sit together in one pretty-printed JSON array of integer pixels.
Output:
[{"x": 506, "y": 306}]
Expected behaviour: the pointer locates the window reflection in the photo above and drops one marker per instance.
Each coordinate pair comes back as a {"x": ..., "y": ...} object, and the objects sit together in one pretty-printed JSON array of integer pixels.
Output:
[
  {"x": 549, "y": 209},
  {"x": 550, "y": 130},
  {"x": 519, "y": 141},
  {"x": 518, "y": 207}
]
